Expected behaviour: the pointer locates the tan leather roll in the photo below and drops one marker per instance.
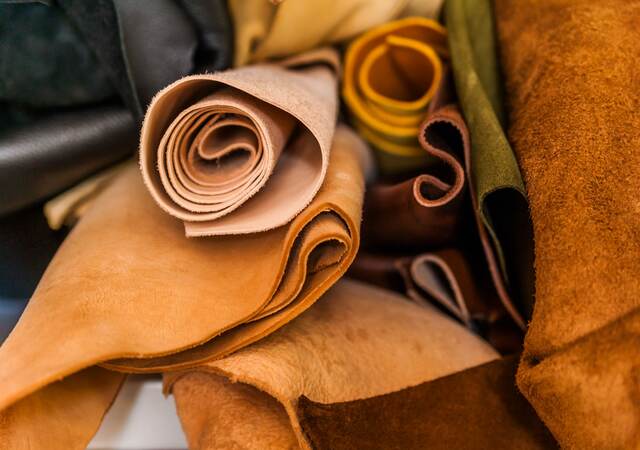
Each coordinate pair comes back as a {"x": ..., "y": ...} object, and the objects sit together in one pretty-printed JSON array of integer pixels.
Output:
[
  {"x": 127, "y": 283},
  {"x": 244, "y": 150},
  {"x": 357, "y": 341}
]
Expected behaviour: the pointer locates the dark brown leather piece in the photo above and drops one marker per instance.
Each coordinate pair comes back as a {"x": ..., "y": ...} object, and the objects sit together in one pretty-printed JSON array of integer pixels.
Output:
[
  {"x": 434, "y": 211},
  {"x": 478, "y": 408}
]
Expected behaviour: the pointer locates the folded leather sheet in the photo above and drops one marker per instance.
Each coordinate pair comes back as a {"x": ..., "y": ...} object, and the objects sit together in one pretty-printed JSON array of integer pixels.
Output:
[
  {"x": 269, "y": 29},
  {"x": 495, "y": 176},
  {"x": 432, "y": 210},
  {"x": 478, "y": 408},
  {"x": 127, "y": 283},
  {"x": 244, "y": 150},
  {"x": 392, "y": 74},
  {"x": 357, "y": 341},
  {"x": 63, "y": 416},
  {"x": 577, "y": 142}
]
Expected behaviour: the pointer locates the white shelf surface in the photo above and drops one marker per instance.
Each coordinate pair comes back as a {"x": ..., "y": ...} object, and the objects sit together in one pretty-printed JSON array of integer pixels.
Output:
[{"x": 141, "y": 418}]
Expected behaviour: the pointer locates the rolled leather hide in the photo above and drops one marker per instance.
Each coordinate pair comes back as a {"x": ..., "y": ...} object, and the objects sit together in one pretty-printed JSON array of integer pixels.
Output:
[
  {"x": 357, "y": 341},
  {"x": 244, "y": 150},
  {"x": 128, "y": 285},
  {"x": 392, "y": 74},
  {"x": 573, "y": 102}
]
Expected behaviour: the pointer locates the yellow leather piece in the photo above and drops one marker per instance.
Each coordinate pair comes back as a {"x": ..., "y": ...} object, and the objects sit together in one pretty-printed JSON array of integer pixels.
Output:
[
  {"x": 264, "y": 29},
  {"x": 391, "y": 75}
]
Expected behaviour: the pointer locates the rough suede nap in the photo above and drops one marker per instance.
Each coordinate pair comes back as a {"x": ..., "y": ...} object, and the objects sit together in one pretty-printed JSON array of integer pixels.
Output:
[{"x": 572, "y": 83}]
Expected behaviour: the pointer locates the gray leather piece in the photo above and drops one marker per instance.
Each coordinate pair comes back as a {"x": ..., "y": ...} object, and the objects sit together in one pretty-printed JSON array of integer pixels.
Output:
[
  {"x": 44, "y": 157},
  {"x": 10, "y": 311}
]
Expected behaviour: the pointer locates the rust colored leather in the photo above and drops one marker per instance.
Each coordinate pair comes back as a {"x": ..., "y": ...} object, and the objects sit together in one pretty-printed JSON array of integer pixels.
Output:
[
  {"x": 244, "y": 150},
  {"x": 127, "y": 283},
  {"x": 64, "y": 415},
  {"x": 571, "y": 78},
  {"x": 478, "y": 408},
  {"x": 430, "y": 211},
  {"x": 357, "y": 341}
]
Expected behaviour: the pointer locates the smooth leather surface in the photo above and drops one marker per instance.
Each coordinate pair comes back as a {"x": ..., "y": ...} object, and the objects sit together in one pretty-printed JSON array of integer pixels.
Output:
[
  {"x": 392, "y": 74},
  {"x": 495, "y": 176},
  {"x": 245, "y": 150},
  {"x": 357, "y": 341},
  {"x": 270, "y": 29},
  {"x": 48, "y": 155},
  {"x": 577, "y": 142},
  {"x": 63, "y": 416},
  {"x": 477, "y": 408},
  {"x": 127, "y": 283}
]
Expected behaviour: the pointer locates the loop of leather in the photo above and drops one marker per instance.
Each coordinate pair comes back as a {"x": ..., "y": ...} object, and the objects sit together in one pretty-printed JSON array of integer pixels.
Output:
[
  {"x": 392, "y": 73},
  {"x": 249, "y": 181}
]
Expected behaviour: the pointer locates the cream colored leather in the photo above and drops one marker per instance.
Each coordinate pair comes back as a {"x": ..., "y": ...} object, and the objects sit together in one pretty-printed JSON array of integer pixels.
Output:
[{"x": 244, "y": 150}]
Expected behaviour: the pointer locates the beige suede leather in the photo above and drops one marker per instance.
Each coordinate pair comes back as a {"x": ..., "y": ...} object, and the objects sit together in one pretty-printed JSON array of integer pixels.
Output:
[
  {"x": 126, "y": 283},
  {"x": 244, "y": 150},
  {"x": 63, "y": 416},
  {"x": 357, "y": 341}
]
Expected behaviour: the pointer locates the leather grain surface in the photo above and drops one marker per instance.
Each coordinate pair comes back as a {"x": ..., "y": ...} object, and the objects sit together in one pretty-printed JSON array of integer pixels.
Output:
[
  {"x": 357, "y": 341},
  {"x": 574, "y": 124},
  {"x": 127, "y": 283}
]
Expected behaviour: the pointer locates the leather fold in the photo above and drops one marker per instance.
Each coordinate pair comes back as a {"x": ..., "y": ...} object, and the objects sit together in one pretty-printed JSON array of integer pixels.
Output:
[
  {"x": 129, "y": 290},
  {"x": 495, "y": 176},
  {"x": 63, "y": 416},
  {"x": 244, "y": 150},
  {"x": 357, "y": 341},
  {"x": 439, "y": 210},
  {"x": 392, "y": 74}
]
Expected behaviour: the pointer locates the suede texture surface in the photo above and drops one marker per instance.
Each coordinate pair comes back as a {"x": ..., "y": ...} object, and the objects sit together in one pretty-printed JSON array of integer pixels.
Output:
[
  {"x": 478, "y": 408},
  {"x": 244, "y": 150},
  {"x": 392, "y": 75},
  {"x": 188, "y": 300},
  {"x": 271, "y": 29},
  {"x": 574, "y": 124},
  {"x": 357, "y": 341},
  {"x": 496, "y": 178}
]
